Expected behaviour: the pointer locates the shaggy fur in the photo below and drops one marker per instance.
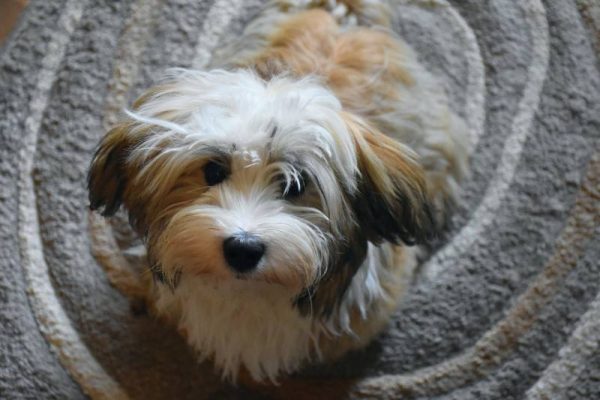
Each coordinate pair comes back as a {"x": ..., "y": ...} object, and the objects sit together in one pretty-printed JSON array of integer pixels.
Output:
[{"x": 333, "y": 147}]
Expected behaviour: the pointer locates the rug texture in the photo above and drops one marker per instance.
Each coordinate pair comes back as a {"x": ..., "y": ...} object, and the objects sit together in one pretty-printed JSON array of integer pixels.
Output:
[{"x": 507, "y": 306}]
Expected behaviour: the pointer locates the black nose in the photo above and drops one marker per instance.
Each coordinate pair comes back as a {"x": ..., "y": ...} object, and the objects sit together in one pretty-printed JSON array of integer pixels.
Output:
[{"x": 243, "y": 252}]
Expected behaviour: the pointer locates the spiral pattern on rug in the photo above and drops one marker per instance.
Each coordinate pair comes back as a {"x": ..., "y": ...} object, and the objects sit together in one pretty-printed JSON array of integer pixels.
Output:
[{"x": 507, "y": 306}]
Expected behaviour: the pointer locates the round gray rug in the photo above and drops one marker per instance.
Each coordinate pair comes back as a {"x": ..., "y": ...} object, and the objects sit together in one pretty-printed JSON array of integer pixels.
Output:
[{"x": 506, "y": 307}]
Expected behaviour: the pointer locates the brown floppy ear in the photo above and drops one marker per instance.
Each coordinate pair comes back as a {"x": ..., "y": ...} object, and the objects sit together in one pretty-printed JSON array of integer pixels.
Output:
[
  {"x": 391, "y": 203},
  {"x": 107, "y": 177},
  {"x": 110, "y": 170}
]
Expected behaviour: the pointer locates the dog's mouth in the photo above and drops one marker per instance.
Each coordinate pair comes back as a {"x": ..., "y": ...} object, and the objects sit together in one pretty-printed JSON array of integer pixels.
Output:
[
  {"x": 266, "y": 273},
  {"x": 244, "y": 276}
]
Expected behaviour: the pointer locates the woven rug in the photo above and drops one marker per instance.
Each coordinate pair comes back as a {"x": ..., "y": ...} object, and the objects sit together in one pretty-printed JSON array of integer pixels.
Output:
[{"x": 506, "y": 306}]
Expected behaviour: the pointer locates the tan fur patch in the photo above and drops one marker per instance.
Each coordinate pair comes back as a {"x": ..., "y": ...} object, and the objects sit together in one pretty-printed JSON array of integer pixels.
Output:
[{"x": 357, "y": 65}]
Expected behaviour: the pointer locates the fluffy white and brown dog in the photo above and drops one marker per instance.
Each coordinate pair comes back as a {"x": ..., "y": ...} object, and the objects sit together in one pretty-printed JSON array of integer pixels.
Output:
[{"x": 280, "y": 197}]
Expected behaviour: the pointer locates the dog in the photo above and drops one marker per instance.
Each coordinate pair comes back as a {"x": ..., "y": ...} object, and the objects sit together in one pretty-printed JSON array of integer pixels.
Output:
[{"x": 283, "y": 193}]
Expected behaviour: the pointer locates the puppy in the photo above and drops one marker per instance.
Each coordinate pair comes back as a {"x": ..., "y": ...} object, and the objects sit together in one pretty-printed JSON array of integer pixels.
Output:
[{"x": 281, "y": 194}]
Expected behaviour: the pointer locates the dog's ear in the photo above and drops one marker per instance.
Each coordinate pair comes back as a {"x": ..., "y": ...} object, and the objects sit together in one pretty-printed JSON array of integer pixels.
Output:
[
  {"x": 391, "y": 202},
  {"x": 108, "y": 177}
]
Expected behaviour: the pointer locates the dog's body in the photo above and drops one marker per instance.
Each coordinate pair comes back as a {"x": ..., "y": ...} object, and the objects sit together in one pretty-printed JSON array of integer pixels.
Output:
[{"x": 277, "y": 215}]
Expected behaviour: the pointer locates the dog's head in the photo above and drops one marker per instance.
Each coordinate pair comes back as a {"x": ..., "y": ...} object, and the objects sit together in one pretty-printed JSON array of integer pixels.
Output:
[{"x": 225, "y": 174}]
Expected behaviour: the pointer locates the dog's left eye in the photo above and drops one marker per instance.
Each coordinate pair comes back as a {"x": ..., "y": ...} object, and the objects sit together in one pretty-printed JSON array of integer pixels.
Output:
[
  {"x": 296, "y": 188},
  {"x": 215, "y": 173}
]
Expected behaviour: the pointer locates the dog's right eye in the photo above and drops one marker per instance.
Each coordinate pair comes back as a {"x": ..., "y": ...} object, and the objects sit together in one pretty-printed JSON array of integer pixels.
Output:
[
  {"x": 215, "y": 173},
  {"x": 296, "y": 188}
]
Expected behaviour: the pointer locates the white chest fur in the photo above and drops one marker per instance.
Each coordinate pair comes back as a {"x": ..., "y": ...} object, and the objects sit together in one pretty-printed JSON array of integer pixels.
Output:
[
  {"x": 254, "y": 324},
  {"x": 237, "y": 323}
]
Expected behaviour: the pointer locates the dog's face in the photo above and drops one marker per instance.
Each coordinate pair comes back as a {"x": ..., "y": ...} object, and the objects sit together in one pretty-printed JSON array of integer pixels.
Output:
[{"x": 227, "y": 175}]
